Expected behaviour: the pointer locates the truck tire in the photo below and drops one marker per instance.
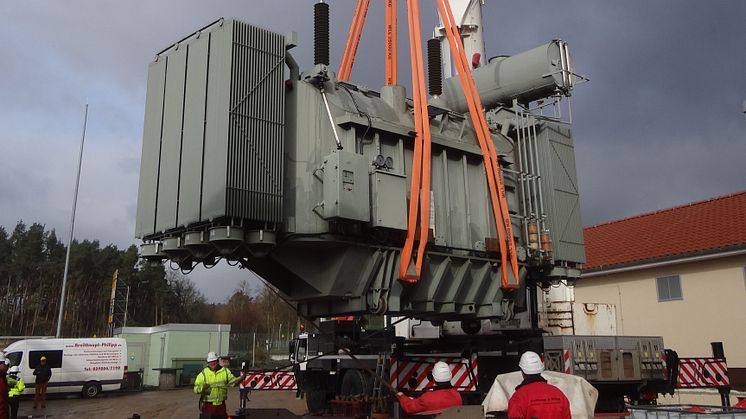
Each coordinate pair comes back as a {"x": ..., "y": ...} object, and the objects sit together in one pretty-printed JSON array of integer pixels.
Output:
[
  {"x": 315, "y": 401},
  {"x": 355, "y": 382},
  {"x": 91, "y": 390}
]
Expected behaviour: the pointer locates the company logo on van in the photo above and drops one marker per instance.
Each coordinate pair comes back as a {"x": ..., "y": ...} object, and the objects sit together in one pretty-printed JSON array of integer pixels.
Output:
[{"x": 94, "y": 345}]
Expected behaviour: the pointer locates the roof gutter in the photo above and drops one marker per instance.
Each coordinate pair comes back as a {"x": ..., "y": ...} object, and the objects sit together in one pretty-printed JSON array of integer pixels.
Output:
[{"x": 690, "y": 259}]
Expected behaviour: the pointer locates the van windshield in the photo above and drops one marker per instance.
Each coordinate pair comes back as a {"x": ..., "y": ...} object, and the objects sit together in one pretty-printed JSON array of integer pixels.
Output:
[{"x": 14, "y": 358}]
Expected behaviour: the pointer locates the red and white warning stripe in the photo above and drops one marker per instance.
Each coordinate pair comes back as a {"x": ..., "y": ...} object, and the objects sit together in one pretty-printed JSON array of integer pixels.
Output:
[
  {"x": 689, "y": 375},
  {"x": 269, "y": 380},
  {"x": 716, "y": 370},
  {"x": 702, "y": 372},
  {"x": 566, "y": 357},
  {"x": 415, "y": 373}
]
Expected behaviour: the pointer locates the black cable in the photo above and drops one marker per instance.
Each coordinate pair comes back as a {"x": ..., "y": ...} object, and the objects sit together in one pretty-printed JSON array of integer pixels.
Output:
[
  {"x": 212, "y": 265},
  {"x": 360, "y": 112},
  {"x": 236, "y": 263},
  {"x": 347, "y": 352}
]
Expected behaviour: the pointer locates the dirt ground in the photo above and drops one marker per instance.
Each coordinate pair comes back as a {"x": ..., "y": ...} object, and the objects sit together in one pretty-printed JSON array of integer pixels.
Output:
[{"x": 180, "y": 403}]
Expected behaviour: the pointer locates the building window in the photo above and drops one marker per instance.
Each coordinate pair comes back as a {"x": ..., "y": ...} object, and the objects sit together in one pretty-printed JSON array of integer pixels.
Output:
[{"x": 669, "y": 288}]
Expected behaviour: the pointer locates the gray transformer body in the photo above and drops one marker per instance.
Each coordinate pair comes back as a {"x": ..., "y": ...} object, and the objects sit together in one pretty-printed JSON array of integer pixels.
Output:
[{"x": 239, "y": 163}]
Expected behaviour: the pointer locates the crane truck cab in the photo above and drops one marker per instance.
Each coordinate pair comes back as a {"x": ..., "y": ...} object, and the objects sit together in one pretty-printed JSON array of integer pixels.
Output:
[{"x": 298, "y": 351}]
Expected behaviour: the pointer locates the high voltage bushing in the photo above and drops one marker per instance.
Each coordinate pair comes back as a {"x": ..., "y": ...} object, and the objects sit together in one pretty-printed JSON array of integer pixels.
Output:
[
  {"x": 321, "y": 33},
  {"x": 434, "y": 68}
]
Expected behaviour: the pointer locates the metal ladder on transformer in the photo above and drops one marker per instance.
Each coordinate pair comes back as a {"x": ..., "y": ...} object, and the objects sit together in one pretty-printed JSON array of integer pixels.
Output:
[{"x": 381, "y": 363}]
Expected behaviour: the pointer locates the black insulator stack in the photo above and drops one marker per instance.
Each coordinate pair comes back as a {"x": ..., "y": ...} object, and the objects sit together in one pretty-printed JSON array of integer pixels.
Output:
[
  {"x": 434, "y": 68},
  {"x": 321, "y": 33}
]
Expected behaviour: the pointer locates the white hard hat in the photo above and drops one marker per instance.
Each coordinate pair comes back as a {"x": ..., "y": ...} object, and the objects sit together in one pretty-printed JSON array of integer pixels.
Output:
[
  {"x": 212, "y": 356},
  {"x": 441, "y": 372},
  {"x": 531, "y": 363},
  {"x": 14, "y": 369}
]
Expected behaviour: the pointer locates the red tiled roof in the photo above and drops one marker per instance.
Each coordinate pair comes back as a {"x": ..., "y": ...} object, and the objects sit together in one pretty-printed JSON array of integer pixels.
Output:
[{"x": 699, "y": 227}]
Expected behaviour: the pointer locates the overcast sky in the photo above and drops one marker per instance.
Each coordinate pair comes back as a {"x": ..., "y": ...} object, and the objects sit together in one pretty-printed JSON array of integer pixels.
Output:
[{"x": 660, "y": 124}]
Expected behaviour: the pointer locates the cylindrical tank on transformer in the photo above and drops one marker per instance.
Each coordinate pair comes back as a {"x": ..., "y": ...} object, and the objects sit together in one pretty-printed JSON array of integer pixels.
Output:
[{"x": 528, "y": 76}]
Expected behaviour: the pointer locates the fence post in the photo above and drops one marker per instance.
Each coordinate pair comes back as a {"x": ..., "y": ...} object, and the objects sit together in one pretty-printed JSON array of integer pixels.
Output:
[{"x": 719, "y": 353}]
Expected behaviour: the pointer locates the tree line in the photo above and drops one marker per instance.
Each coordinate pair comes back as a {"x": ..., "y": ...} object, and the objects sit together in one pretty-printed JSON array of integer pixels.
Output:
[{"x": 32, "y": 260}]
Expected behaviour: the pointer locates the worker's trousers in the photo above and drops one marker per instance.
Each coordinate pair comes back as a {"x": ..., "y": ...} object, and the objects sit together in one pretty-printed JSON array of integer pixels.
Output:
[
  {"x": 40, "y": 395},
  {"x": 211, "y": 411},
  {"x": 13, "y": 403}
]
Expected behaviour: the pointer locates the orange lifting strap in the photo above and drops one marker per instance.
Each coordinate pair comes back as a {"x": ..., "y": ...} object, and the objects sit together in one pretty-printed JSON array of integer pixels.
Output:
[
  {"x": 420, "y": 191},
  {"x": 390, "y": 44},
  {"x": 356, "y": 29},
  {"x": 419, "y": 200},
  {"x": 353, "y": 40},
  {"x": 494, "y": 175}
]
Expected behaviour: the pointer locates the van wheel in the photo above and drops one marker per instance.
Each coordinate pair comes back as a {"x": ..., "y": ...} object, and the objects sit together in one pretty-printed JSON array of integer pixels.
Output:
[{"x": 91, "y": 390}]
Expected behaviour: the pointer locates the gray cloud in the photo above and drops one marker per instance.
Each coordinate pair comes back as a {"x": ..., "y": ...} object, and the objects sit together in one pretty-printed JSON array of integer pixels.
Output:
[{"x": 659, "y": 124}]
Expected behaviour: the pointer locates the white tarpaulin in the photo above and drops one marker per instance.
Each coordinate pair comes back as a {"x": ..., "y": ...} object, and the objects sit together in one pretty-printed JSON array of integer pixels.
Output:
[{"x": 581, "y": 394}]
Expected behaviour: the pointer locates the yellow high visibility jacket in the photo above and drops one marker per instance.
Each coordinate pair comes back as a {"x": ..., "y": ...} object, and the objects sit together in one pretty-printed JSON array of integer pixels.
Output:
[
  {"x": 217, "y": 382},
  {"x": 15, "y": 386}
]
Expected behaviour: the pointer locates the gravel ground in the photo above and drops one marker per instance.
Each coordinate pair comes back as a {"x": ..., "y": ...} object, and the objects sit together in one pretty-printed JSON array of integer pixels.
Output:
[{"x": 180, "y": 403}]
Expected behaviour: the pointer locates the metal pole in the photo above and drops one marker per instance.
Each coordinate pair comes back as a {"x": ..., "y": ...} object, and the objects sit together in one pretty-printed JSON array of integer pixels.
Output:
[
  {"x": 72, "y": 228},
  {"x": 543, "y": 214},
  {"x": 112, "y": 301},
  {"x": 253, "y": 350},
  {"x": 126, "y": 303},
  {"x": 331, "y": 120},
  {"x": 522, "y": 173},
  {"x": 719, "y": 353}
]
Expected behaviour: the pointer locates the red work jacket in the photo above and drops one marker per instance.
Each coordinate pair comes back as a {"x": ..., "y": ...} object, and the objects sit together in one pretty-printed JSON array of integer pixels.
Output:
[
  {"x": 431, "y": 400},
  {"x": 3, "y": 397},
  {"x": 537, "y": 399}
]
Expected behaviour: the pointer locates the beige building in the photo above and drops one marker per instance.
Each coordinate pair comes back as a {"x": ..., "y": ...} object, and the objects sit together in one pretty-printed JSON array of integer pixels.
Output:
[{"x": 679, "y": 273}]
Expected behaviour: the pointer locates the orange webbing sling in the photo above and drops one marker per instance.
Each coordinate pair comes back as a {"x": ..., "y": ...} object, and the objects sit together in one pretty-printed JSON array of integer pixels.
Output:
[
  {"x": 356, "y": 29},
  {"x": 390, "y": 45},
  {"x": 492, "y": 167},
  {"x": 420, "y": 191}
]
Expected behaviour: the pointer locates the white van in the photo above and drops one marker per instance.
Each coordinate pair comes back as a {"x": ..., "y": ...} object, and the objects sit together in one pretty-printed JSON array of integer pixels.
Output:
[{"x": 87, "y": 365}]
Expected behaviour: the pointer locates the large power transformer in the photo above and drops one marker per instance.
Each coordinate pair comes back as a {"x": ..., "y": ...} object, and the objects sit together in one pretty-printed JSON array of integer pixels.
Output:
[{"x": 305, "y": 179}]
